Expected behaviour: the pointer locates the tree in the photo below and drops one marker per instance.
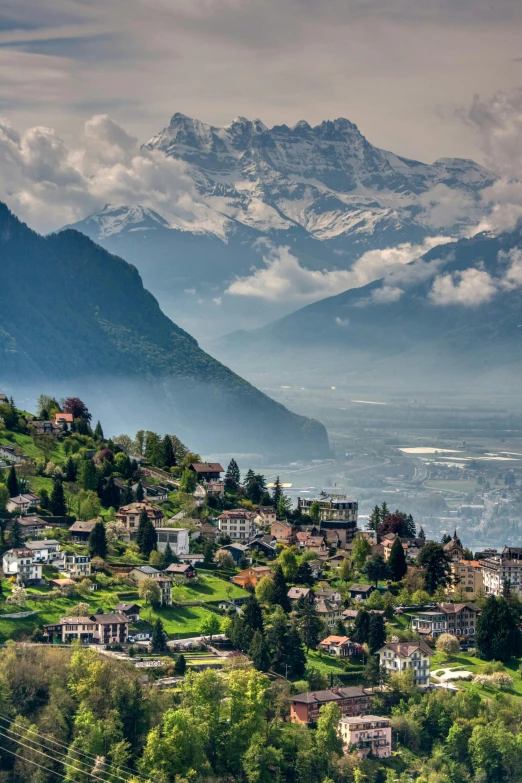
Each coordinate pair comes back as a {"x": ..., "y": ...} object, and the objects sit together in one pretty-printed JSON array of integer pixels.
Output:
[
  {"x": 280, "y": 589},
  {"x": 18, "y": 596},
  {"x": 309, "y": 625},
  {"x": 158, "y": 643},
  {"x": 448, "y": 644},
  {"x": 98, "y": 541},
  {"x": 265, "y": 590},
  {"x": 422, "y": 534},
  {"x": 376, "y": 632},
  {"x": 397, "y": 561},
  {"x": 71, "y": 470},
  {"x": 224, "y": 559},
  {"x": 57, "y": 500},
  {"x": 361, "y": 627},
  {"x": 188, "y": 482},
  {"x": 88, "y": 478},
  {"x": 15, "y": 536},
  {"x": 157, "y": 559},
  {"x": 303, "y": 575},
  {"x": 81, "y": 609},
  {"x": 372, "y": 672},
  {"x": 111, "y": 494},
  {"x": 232, "y": 475},
  {"x": 167, "y": 449},
  {"x": 12, "y": 482},
  {"x": 209, "y": 625},
  {"x": 288, "y": 562},
  {"x": 327, "y": 737},
  {"x": 435, "y": 561},
  {"x": 180, "y": 666},
  {"x": 399, "y": 523},
  {"x": 277, "y": 493},
  {"x": 286, "y": 650},
  {"x": 254, "y": 486},
  {"x": 208, "y": 553},
  {"x": 376, "y": 568},
  {"x": 251, "y": 614},
  {"x": 315, "y": 512},
  {"x": 78, "y": 408},
  {"x": 149, "y": 591},
  {"x": 284, "y": 507},
  {"x": 98, "y": 432},
  {"x": 140, "y": 494},
  {"x": 259, "y": 651},
  {"x": 4, "y": 496},
  {"x": 361, "y": 549},
  {"x": 497, "y": 636},
  {"x": 146, "y": 535},
  {"x": 340, "y": 628},
  {"x": 168, "y": 556}
]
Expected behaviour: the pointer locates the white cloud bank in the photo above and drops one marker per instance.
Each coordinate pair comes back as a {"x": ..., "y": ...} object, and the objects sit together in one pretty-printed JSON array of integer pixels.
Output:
[
  {"x": 283, "y": 279},
  {"x": 473, "y": 287}
]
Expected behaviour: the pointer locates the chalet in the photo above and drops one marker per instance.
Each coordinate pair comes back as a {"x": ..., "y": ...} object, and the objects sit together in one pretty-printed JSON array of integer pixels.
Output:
[
  {"x": 44, "y": 551},
  {"x": 340, "y": 646},
  {"x": 181, "y": 570},
  {"x": 352, "y": 701},
  {"x": 396, "y": 657},
  {"x": 207, "y": 471},
  {"x": 295, "y": 593},
  {"x": 22, "y": 504},
  {"x": 19, "y": 562},
  {"x": 100, "y": 628},
  {"x": 130, "y": 514},
  {"x": 360, "y": 592},
  {"x": 265, "y": 545},
  {"x": 80, "y": 531},
  {"x": 129, "y": 610},
  {"x": 176, "y": 537},
  {"x": 216, "y": 489},
  {"x": 64, "y": 420},
  {"x": 283, "y": 532},
  {"x": 251, "y": 576},
  {"x": 30, "y": 526},
  {"x": 328, "y": 593},
  {"x": 328, "y": 611},
  {"x": 45, "y": 428}
]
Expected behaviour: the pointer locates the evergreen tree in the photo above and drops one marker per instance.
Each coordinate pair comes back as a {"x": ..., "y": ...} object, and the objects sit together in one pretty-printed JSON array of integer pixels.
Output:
[
  {"x": 208, "y": 553},
  {"x": 148, "y": 539},
  {"x": 71, "y": 470},
  {"x": 259, "y": 651},
  {"x": 88, "y": 477},
  {"x": 111, "y": 494},
  {"x": 232, "y": 475},
  {"x": 12, "y": 482},
  {"x": 98, "y": 541},
  {"x": 126, "y": 496},
  {"x": 315, "y": 512},
  {"x": 277, "y": 493},
  {"x": 309, "y": 625},
  {"x": 340, "y": 628},
  {"x": 361, "y": 627},
  {"x": 304, "y": 574},
  {"x": 98, "y": 432},
  {"x": 140, "y": 494},
  {"x": 375, "y": 519},
  {"x": 397, "y": 561},
  {"x": 497, "y": 635},
  {"x": 168, "y": 555},
  {"x": 57, "y": 500},
  {"x": 372, "y": 673},
  {"x": 296, "y": 653},
  {"x": 169, "y": 458},
  {"x": 44, "y": 499},
  {"x": 286, "y": 650},
  {"x": 180, "y": 665},
  {"x": 436, "y": 563},
  {"x": 376, "y": 632},
  {"x": 422, "y": 534},
  {"x": 280, "y": 589},
  {"x": 15, "y": 536},
  {"x": 376, "y": 568},
  {"x": 158, "y": 642},
  {"x": 251, "y": 614}
]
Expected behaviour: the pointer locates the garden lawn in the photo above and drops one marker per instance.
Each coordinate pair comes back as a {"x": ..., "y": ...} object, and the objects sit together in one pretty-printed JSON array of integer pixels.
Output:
[
  {"x": 56, "y": 454},
  {"x": 325, "y": 663},
  {"x": 475, "y": 665},
  {"x": 211, "y": 588}
]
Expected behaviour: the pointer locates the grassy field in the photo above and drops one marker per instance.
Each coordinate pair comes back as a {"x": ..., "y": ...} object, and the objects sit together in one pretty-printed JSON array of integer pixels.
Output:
[
  {"x": 56, "y": 454},
  {"x": 476, "y": 666},
  {"x": 178, "y": 620}
]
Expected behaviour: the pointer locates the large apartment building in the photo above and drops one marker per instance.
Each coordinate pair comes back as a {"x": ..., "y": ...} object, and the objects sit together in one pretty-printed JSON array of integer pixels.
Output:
[
  {"x": 500, "y": 573},
  {"x": 457, "y": 619},
  {"x": 305, "y": 707},
  {"x": 367, "y": 734},
  {"x": 467, "y": 576},
  {"x": 239, "y": 524},
  {"x": 338, "y": 516}
]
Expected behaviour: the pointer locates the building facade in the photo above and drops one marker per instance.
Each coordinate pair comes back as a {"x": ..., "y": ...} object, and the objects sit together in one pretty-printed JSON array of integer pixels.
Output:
[
  {"x": 397, "y": 657},
  {"x": 98, "y": 628},
  {"x": 501, "y": 574},
  {"x": 130, "y": 515},
  {"x": 352, "y": 701},
  {"x": 178, "y": 539},
  {"x": 19, "y": 562},
  {"x": 238, "y": 524},
  {"x": 367, "y": 734}
]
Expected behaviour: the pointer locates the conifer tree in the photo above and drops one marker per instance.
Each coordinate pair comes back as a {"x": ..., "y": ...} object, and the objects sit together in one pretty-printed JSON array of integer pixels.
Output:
[
  {"x": 146, "y": 535},
  {"x": 98, "y": 432},
  {"x": 169, "y": 458},
  {"x": 280, "y": 589},
  {"x": 158, "y": 642},
  {"x": 277, "y": 493},
  {"x": 259, "y": 651},
  {"x": 15, "y": 536},
  {"x": 232, "y": 475},
  {"x": 12, "y": 482},
  {"x": 180, "y": 665},
  {"x": 376, "y": 632},
  {"x": 309, "y": 625},
  {"x": 397, "y": 561},
  {"x": 168, "y": 555},
  {"x": 57, "y": 500},
  {"x": 375, "y": 519},
  {"x": 71, "y": 470},
  {"x": 361, "y": 627},
  {"x": 98, "y": 541},
  {"x": 140, "y": 494},
  {"x": 88, "y": 477},
  {"x": 111, "y": 494},
  {"x": 304, "y": 574}
]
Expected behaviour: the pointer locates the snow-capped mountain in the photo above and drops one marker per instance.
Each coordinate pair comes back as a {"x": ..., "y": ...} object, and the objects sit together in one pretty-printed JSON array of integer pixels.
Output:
[{"x": 324, "y": 191}]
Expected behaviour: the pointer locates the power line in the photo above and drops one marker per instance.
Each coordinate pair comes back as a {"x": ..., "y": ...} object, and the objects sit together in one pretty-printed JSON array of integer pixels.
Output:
[
  {"x": 28, "y": 761},
  {"x": 49, "y": 739}
]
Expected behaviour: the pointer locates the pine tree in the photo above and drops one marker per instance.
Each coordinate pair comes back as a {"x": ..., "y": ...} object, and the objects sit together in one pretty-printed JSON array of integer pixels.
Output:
[
  {"x": 167, "y": 450},
  {"x": 12, "y": 482},
  {"x": 497, "y": 635},
  {"x": 259, "y": 651},
  {"x": 376, "y": 632},
  {"x": 278, "y": 491},
  {"x": 309, "y": 625},
  {"x": 435, "y": 561},
  {"x": 158, "y": 642},
  {"x": 397, "y": 561},
  {"x": 88, "y": 477},
  {"x": 361, "y": 627},
  {"x": 98, "y": 541},
  {"x": 15, "y": 536},
  {"x": 146, "y": 535},
  {"x": 251, "y": 614},
  {"x": 126, "y": 496},
  {"x": 340, "y": 628},
  {"x": 280, "y": 589},
  {"x": 71, "y": 470},
  {"x": 98, "y": 432},
  {"x": 57, "y": 500},
  {"x": 375, "y": 519},
  {"x": 180, "y": 665},
  {"x": 372, "y": 671},
  {"x": 296, "y": 653},
  {"x": 168, "y": 555},
  {"x": 111, "y": 494},
  {"x": 140, "y": 494},
  {"x": 304, "y": 574},
  {"x": 208, "y": 553},
  {"x": 232, "y": 475},
  {"x": 422, "y": 534}
]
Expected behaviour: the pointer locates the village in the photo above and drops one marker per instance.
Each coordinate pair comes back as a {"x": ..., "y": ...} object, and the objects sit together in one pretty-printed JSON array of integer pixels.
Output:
[{"x": 140, "y": 550}]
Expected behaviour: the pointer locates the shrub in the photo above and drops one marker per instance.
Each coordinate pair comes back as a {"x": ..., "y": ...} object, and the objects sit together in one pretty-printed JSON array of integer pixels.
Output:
[{"x": 448, "y": 644}]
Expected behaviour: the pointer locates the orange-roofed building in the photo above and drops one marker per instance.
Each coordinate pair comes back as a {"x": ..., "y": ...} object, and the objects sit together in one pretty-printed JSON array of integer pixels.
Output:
[
  {"x": 251, "y": 577},
  {"x": 466, "y": 576},
  {"x": 65, "y": 420}
]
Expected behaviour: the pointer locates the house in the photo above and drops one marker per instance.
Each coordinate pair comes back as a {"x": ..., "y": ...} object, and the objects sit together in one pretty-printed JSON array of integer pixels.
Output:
[
  {"x": 4, "y": 399},
  {"x": 207, "y": 471},
  {"x": 498, "y": 572},
  {"x": 334, "y": 596},
  {"x": 337, "y": 560},
  {"x": 44, "y": 551},
  {"x": 100, "y": 628},
  {"x": 19, "y": 562},
  {"x": 367, "y": 734},
  {"x": 216, "y": 489},
  {"x": 283, "y": 532},
  {"x": 453, "y": 549},
  {"x": 337, "y": 514},
  {"x": 29, "y": 526},
  {"x": 9, "y": 453},
  {"x": 459, "y": 620},
  {"x": 265, "y": 545},
  {"x": 76, "y": 566},
  {"x": 251, "y": 576},
  {"x": 22, "y": 504},
  {"x": 238, "y": 551},
  {"x": 80, "y": 531},
  {"x": 140, "y": 573},
  {"x": 467, "y": 576},
  {"x": 155, "y": 493},
  {"x": 192, "y": 559},
  {"x": 350, "y": 614},
  {"x": 352, "y": 701},
  {"x": 360, "y": 592},
  {"x": 129, "y": 610},
  {"x": 181, "y": 570},
  {"x": 178, "y": 539},
  {"x": 130, "y": 514},
  {"x": 328, "y": 611},
  {"x": 266, "y": 515},
  {"x": 295, "y": 593},
  {"x": 411, "y": 546},
  {"x": 316, "y": 544},
  {"x": 45, "y": 428},
  {"x": 64, "y": 420},
  {"x": 207, "y": 530},
  {"x": 316, "y": 567},
  {"x": 340, "y": 646},
  {"x": 396, "y": 657},
  {"x": 239, "y": 524}
]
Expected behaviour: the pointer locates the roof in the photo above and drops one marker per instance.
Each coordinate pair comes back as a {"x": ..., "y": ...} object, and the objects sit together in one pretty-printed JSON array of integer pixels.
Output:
[
  {"x": 31, "y": 521},
  {"x": 178, "y": 568},
  {"x": 137, "y": 508},
  {"x": 335, "y": 640},
  {"x": 19, "y": 552},
  {"x": 146, "y": 569},
  {"x": 237, "y": 513},
  {"x": 322, "y": 697},
  {"x": 125, "y": 607},
  {"x": 207, "y": 467},
  {"x": 473, "y": 563},
  {"x": 325, "y": 607},
  {"x": 405, "y": 649},
  {"x": 456, "y": 608},
  {"x": 108, "y": 619},
  {"x": 63, "y": 581},
  {"x": 41, "y": 544},
  {"x": 297, "y": 592},
  {"x": 82, "y": 527},
  {"x": 365, "y": 719},
  {"x": 64, "y": 417},
  {"x": 360, "y": 588},
  {"x": 76, "y": 620}
]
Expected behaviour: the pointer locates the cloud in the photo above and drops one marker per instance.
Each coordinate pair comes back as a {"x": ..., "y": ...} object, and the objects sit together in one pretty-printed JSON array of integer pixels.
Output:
[
  {"x": 469, "y": 288},
  {"x": 342, "y": 321},
  {"x": 283, "y": 279},
  {"x": 49, "y": 184},
  {"x": 444, "y": 206}
]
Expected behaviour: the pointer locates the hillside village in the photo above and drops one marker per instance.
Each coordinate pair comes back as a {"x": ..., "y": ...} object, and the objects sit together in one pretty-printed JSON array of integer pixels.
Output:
[{"x": 135, "y": 552}]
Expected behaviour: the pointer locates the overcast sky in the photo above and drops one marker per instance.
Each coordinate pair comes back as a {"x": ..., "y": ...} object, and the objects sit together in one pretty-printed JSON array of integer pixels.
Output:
[{"x": 405, "y": 71}]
